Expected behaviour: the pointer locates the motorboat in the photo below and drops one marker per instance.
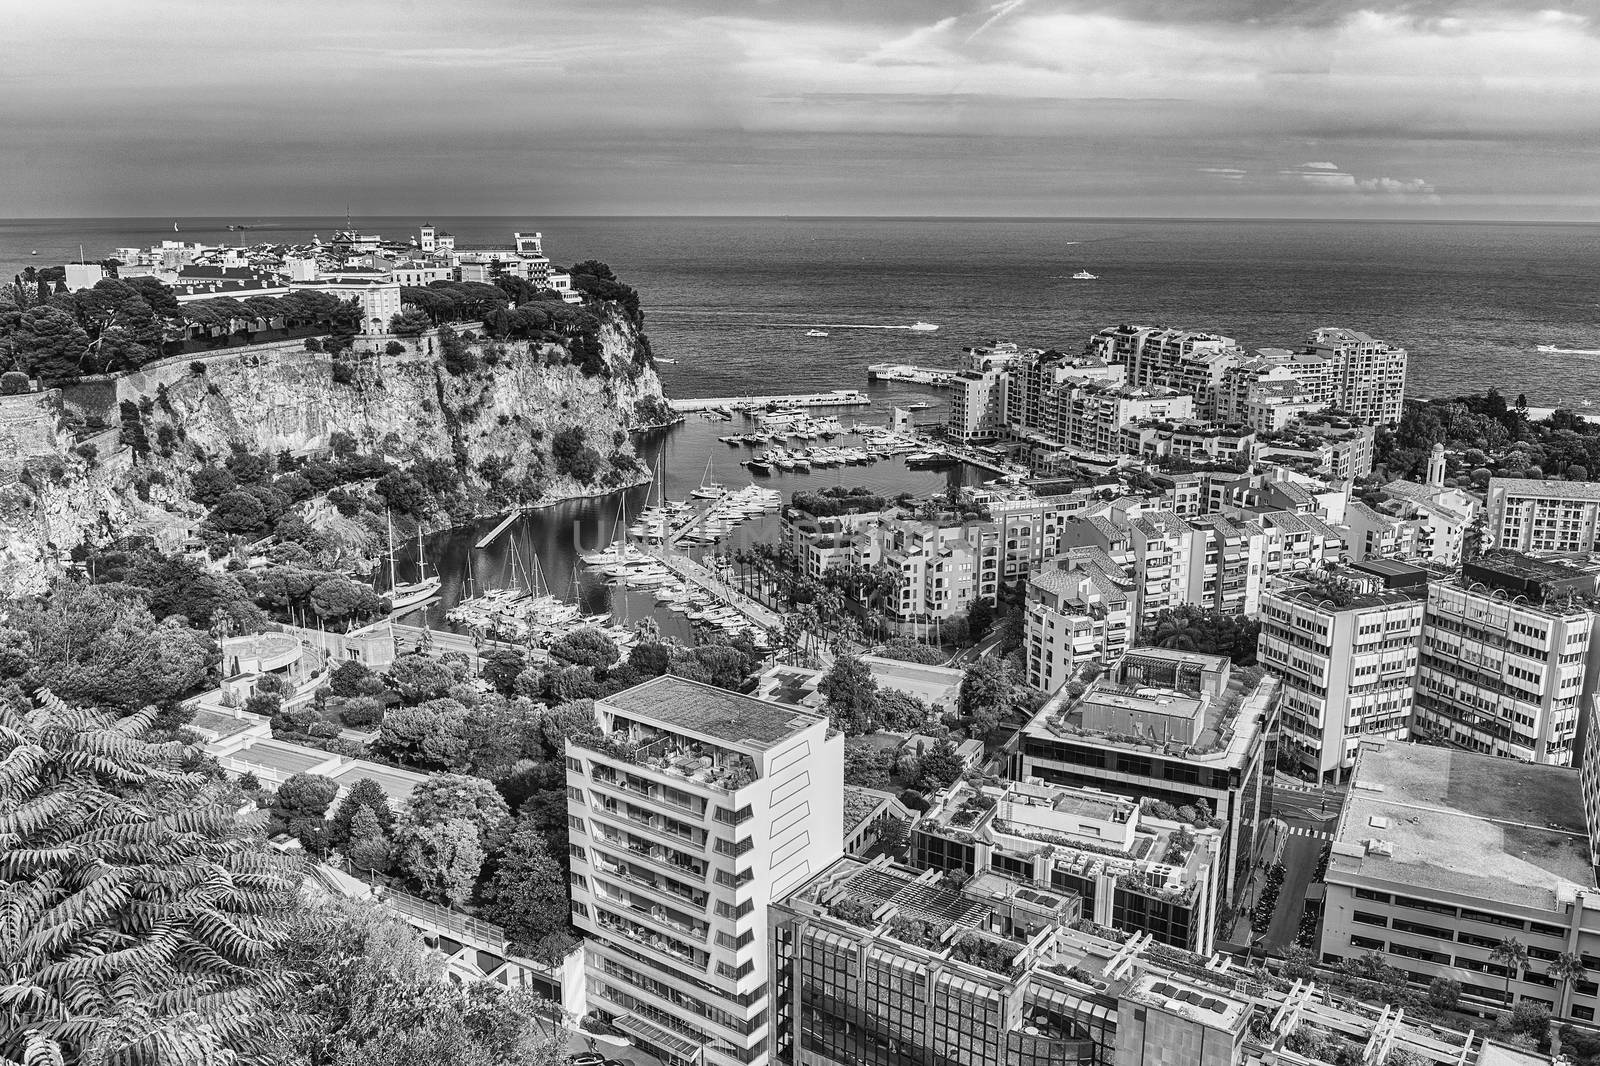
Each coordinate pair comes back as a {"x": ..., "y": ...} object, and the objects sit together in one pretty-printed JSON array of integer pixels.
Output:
[
  {"x": 930, "y": 460},
  {"x": 1084, "y": 275},
  {"x": 922, "y": 327},
  {"x": 816, "y": 333},
  {"x": 920, "y": 405},
  {"x": 759, "y": 466}
]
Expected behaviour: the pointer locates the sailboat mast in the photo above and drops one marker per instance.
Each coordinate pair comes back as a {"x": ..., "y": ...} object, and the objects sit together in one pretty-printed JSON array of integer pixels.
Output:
[{"x": 390, "y": 516}]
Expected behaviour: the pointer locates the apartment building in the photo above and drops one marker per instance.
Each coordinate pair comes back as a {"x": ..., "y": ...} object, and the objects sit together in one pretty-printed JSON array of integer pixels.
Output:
[
  {"x": 1179, "y": 727},
  {"x": 1526, "y": 514},
  {"x": 1079, "y": 613},
  {"x": 1028, "y": 528},
  {"x": 690, "y": 811},
  {"x": 1232, "y": 565},
  {"x": 978, "y": 393},
  {"x": 1332, "y": 448},
  {"x": 881, "y": 965},
  {"x": 1132, "y": 872},
  {"x": 1508, "y": 657},
  {"x": 1358, "y": 374},
  {"x": 1193, "y": 439},
  {"x": 1344, "y": 642},
  {"x": 945, "y": 565},
  {"x": 1184, "y": 360},
  {"x": 1092, "y": 414},
  {"x": 822, "y": 541},
  {"x": 1440, "y": 854},
  {"x": 1032, "y": 390}
]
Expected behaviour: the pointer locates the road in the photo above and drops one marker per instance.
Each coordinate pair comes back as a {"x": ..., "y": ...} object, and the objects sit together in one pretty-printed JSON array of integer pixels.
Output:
[{"x": 1300, "y": 856}]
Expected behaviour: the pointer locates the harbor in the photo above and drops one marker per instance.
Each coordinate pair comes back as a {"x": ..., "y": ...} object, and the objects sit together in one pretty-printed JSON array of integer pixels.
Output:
[
  {"x": 937, "y": 377},
  {"x": 729, "y": 404}
]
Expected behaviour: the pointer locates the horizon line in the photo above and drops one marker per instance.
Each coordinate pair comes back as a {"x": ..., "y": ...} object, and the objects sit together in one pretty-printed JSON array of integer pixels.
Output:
[{"x": 850, "y": 218}]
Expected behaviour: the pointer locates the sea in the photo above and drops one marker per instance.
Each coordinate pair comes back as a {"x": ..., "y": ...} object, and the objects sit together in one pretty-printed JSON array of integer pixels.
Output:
[{"x": 731, "y": 301}]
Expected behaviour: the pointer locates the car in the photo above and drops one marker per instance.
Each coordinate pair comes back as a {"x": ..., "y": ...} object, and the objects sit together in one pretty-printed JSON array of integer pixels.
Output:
[{"x": 586, "y": 1058}]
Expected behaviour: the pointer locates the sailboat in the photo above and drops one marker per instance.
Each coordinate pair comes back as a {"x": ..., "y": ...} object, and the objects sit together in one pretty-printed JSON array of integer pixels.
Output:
[
  {"x": 710, "y": 489},
  {"x": 415, "y": 592}
]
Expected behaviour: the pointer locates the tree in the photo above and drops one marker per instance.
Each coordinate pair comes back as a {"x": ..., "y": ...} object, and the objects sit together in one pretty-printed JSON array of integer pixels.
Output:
[
  {"x": 852, "y": 695},
  {"x": 563, "y": 722},
  {"x": 352, "y": 678},
  {"x": 980, "y": 616},
  {"x": 500, "y": 667},
  {"x": 1512, "y": 954},
  {"x": 49, "y": 344},
  {"x": 368, "y": 847},
  {"x": 140, "y": 916},
  {"x": 429, "y": 735},
  {"x": 364, "y": 794},
  {"x": 1566, "y": 969},
  {"x": 867, "y": 765},
  {"x": 912, "y": 651},
  {"x": 99, "y": 645},
  {"x": 238, "y": 512},
  {"x": 586, "y": 646},
  {"x": 985, "y": 693},
  {"x": 459, "y": 798},
  {"x": 301, "y": 808},
  {"x": 442, "y": 860},
  {"x": 900, "y": 712},
  {"x": 409, "y": 321},
  {"x": 939, "y": 768},
  {"x": 528, "y": 897},
  {"x": 416, "y": 677},
  {"x": 366, "y": 990},
  {"x": 1444, "y": 993}
]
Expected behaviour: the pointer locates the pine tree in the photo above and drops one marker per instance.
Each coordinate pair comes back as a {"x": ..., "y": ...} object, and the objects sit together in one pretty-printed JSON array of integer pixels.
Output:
[
  {"x": 528, "y": 896},
  {"x": 137, "y": 918},
  {"x": 364, "y": 793},
  {"x": 368, "y": 848}
]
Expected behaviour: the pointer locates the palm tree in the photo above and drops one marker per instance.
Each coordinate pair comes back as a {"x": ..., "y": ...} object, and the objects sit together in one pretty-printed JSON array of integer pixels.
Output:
[
  {"x": 1565, "y": 969},
  {"x": 138, "y": 918},
  {"x": 1513, "y": 955}
]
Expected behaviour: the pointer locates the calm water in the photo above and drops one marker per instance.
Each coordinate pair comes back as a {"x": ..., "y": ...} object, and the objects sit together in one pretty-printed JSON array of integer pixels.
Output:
[{"x": 732, "y": 299}]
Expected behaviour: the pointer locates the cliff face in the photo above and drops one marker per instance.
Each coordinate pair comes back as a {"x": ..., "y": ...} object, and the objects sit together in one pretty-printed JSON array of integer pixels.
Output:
[{"x": 495, "y": 422}]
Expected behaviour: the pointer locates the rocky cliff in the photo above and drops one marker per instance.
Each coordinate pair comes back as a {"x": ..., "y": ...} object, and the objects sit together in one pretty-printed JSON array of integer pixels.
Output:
[{"x": 494, "y": 416}]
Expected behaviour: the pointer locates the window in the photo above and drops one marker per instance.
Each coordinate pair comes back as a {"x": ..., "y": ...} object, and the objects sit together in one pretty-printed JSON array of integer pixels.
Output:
[{"x": 1368, "y": 918}]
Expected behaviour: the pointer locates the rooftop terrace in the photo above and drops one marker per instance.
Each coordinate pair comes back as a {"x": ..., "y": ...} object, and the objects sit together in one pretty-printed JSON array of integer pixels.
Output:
[
  {"x": 677, "y": 703},
  {"x": 1466, "y": 824}
]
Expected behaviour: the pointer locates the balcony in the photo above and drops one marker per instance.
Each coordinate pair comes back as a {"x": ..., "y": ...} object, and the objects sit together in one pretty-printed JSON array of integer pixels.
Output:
[
  {"x": 655, "y": 855},
  {"x": 654, "y": 914},
  {"x": 621, "y": 872}
]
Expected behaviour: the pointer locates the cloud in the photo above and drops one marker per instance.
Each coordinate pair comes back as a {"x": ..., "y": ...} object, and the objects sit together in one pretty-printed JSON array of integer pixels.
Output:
[{"x": 1330, "y": 178}]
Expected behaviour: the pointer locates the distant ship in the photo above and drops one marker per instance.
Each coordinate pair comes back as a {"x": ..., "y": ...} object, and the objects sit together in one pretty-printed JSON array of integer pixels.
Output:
[
  {"x": 1084, "y": 275},
  {"x": 816, "y": 333},
  {"x": 923, "y": 327},
  {"x": 918, "y": 406},
  {"x": 1550, "y": 349}
]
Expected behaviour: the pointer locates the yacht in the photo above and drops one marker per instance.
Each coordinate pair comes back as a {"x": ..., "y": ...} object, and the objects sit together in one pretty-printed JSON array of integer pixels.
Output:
[
  {"x": 922, "y": 327},
  {"x": 1084, "y": 275},
  {"x": 816, "y": 333},
  {"x": 709, "y": 489},
  {"x": 409, "y": 594},
  {"x": 920, "y": 405}
]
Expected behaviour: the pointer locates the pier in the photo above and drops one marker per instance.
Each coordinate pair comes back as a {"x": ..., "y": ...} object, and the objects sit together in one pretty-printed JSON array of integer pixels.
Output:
[
  {"x": 835, "y": 398},
  {"x": 938, "y": 377},
  {"x": 489, "y": 537}
]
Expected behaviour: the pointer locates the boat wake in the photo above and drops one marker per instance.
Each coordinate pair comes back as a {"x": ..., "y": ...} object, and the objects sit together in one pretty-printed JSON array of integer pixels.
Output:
[{"x": 1550, "y": 349}]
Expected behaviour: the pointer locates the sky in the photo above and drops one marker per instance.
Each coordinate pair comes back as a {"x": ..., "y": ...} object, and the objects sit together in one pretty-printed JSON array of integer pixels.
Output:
[{"x": 1190, "y": 108}]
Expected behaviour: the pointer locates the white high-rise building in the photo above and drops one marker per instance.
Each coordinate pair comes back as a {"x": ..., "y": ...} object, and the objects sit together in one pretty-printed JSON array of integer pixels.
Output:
[{"x": 689, "y": 813}]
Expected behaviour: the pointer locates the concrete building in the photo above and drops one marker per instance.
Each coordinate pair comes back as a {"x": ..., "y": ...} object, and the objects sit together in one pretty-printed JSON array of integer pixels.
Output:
[
  {"x": 978, "y": 392},
  {"x": 1354, "y": 372},
  {"x": 1178, "y": 727},
  {"x": 1034, "y": 387},
  {"x": 1132, "y": 872},
  {"x": 1508, "y": 657},
  {"x": 879, "y": 964},
  {"x": 1440, "y": 854},
  {"x": 1185, "y": 360},
  {"x": 1344, "y": 642},
  {"x": 1318, "y": 445},
  {"x": 1551, "y": 516},
  {"x": 1092, "y": 414},
  {"x": 691, "y": 811},
  {"x": 944, "y": 566},
  {"x": 1079, "y": 613},
  {"x": 1193, "y": 439},
  {"x": 378, "y": 295}
]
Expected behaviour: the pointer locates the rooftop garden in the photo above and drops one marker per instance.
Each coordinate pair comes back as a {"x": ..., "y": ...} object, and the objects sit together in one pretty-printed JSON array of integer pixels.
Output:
[
  {"x": 855, "y": 911},
  {"x": 989, "y": 953},
  {"x": 838, "y": 500},
  {"x": 918, "y": 932}
]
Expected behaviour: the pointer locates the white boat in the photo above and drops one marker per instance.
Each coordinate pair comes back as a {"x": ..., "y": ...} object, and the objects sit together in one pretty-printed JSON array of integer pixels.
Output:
[
  {"x": 1551, "y": 349},
  {"x": 816, "y": 333},
  {"x": 1084, "y": 275},
  {"x": 920, "y": 405},
  {"x": 709, "y": 489},
  {"x": 409, "y": 594},
  {"x": 922, "y": 327}
]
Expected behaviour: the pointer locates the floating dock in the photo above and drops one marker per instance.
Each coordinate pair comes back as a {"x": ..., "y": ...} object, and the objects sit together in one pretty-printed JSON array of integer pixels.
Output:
[
  {"x": 939, "y": 377},
  {"x": 489, "y": 537},
  {"x": 836, "y": 398}
]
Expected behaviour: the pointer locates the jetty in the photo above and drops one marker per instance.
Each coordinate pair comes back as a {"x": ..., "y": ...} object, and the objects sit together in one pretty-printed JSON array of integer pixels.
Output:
[
  {"x": 939, "y": 377},
  {"x": 835, "y": 398},
  {"x": 489, "y": 537}
]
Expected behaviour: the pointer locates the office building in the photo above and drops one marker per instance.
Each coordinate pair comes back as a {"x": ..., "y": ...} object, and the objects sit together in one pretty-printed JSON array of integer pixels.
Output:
[
  {"x": 1507, "y": 663},
  {"x": 1133, "y": 872},
  {"x": 1344, "y": 642},
  {"x": 1551, "y": 516},
  {"x": 1441, "y": 854},
  {"x": 1178, "y": 727},
  {"x": 878, "y": 965},
  {"x": 689, "y": 813}
]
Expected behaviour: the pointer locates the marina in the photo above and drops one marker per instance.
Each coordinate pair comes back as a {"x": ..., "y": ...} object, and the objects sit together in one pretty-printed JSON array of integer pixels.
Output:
[
  {"x": 729, "y": 404},
  {"x": 938, "y": 377}
]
